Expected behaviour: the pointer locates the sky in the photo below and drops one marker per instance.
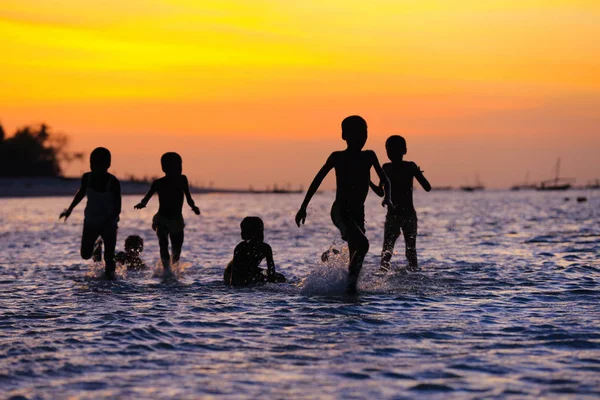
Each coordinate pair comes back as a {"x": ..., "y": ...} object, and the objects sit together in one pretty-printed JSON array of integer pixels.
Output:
[{"x": 252, "y": 93}]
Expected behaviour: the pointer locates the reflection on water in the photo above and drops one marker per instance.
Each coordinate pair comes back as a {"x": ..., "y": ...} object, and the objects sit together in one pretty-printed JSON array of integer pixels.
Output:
[{"x": 507, "y": 303}]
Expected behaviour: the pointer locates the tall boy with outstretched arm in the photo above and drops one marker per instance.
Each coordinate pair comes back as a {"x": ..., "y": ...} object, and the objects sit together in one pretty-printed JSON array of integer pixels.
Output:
[{"x": 352, "y": 171}]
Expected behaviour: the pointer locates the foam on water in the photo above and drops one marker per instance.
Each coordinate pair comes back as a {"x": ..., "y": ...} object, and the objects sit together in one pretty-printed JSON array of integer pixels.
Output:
[
  {"x": 177, "y": 270},
  {"x": 96, "y": 271},
  {"x": 329, "y": 277}
]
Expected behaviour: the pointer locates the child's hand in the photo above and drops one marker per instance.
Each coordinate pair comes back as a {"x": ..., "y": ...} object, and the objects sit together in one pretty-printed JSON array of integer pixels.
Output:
[
  {"x": 301, "y": 217},
  {"x": 387, "y": 202},
  {"x": 139, "y": 206},
  {"x": 65, "y": 214},
  {"x": 196, "y": 210}
]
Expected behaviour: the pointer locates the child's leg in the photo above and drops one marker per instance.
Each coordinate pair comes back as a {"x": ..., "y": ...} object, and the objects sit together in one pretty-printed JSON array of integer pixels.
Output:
[
  {"x": 109, "y": 236},
  {"x": 97, "y": 252},
  {"x": 358, "y": 245},
  {"x": 391, "y": 231},
  {"x": 163, "y": 243},
  {"x": 88, "y": 240},
  {"x": 176, "y": 244},
  {"x": 409, "y": 229}
]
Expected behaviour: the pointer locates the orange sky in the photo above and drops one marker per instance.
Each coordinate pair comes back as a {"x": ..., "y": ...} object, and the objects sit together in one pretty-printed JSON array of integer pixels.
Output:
[{"x": 490, "y": 87}]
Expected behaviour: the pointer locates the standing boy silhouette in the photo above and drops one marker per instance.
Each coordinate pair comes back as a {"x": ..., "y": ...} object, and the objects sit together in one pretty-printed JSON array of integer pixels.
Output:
[
  {"x": 168, "y": 222},
  {"x": 103, "y": 192},
  {"x": 352, "y": 170},
  {"x": 403, "y": 215}
]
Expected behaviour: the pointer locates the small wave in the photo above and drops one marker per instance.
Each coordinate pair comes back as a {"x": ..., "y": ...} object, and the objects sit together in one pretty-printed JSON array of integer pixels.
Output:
[
  {"x": 573, "y": 344},
  {"x": 431, "y": 387},
  {"x": 543, "y": 239},
  {"x": 355, "y": 375}
]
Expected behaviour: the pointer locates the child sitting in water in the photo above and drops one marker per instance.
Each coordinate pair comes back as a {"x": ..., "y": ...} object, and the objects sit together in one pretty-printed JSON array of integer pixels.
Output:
[
  {"x": 402, "y": 216},
  {"x": 134, "y": 245},
  {"x": 244, "y": 268},
  {"x": 103, "y": 192},
  {"x": 168, "y": 222}
]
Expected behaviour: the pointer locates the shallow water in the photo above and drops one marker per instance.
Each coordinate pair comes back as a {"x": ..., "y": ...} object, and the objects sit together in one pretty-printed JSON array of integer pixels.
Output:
[{"x": 506, "y": 304}]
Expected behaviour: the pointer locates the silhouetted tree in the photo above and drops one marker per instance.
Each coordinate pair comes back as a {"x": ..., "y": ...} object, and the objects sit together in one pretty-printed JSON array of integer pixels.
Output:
[{"x": 33, "y": 151}]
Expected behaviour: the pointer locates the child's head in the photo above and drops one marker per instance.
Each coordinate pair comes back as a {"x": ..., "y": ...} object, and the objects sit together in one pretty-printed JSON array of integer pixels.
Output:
[
  {"x": 253, "y": 228},
  {"x": 354, "y": 131},
  {"x": 171, "y": 163},
  {"x": 100, "y": 160},
  {"x": 396, "y": 147},
  {"x": 134, "y": 243}
]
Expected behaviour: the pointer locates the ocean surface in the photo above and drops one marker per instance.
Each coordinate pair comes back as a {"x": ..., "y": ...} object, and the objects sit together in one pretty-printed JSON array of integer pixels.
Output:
[{"x": 506, "y": 304}]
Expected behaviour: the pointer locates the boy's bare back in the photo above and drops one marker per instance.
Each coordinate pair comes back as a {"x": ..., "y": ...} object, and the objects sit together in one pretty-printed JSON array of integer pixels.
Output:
[
  {"x": 171, "y": 191},
  {"x": 352, "y": 173}
]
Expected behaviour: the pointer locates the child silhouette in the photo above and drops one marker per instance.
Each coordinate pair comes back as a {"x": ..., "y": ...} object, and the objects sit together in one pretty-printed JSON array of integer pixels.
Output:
[
  {"x": 244, "y": 268},
  {"x": 401, "y": 217},
  {"x": 168, "y": 222},
  {"x": 352, "y": 171},
  {"x": 134, "y": 246},
  {"x": 103, "y": 192}
]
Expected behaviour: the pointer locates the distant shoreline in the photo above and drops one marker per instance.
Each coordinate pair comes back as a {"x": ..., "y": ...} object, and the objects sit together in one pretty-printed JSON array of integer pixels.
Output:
[{"x": 62, "y": 186}]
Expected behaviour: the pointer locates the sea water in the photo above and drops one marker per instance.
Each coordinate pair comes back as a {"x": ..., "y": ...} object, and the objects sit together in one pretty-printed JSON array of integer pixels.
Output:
[{"x": 507, "y": 303}]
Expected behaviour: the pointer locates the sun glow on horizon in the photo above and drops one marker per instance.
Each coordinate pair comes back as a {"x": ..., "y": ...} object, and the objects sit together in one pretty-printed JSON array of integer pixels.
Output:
[{"x": 275, "y": 68}]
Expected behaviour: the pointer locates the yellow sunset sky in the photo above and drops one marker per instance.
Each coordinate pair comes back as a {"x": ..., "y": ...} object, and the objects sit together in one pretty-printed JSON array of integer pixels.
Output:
[{"x": 253, "y": 92}]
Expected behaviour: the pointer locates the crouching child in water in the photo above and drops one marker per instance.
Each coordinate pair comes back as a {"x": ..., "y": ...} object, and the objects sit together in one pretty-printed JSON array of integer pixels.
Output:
[
  {"x": 244, "y": 268},
  {"x": 168, "y": 222},
  {"x": 103, "y": 192},
  {"x": 134, "y": 246},
  {"x": 402, "y": 217},
  {"x": 130, "y": 258}
]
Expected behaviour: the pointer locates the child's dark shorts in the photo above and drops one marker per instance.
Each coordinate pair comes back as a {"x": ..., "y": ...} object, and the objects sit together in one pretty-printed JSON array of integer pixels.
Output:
[
  {"x": 405, "y": 222},
  {"x": 170, "y": 225},
  {"x": 347, "y": 219}
]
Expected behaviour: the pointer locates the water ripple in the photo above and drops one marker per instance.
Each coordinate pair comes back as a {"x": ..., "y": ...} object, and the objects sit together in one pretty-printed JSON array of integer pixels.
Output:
[{"x": 506, "y": 304}]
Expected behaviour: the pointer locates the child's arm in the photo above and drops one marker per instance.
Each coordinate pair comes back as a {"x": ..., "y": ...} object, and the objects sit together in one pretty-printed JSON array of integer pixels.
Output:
[
  {"x": 377, "y": 189},
  {"x": 268, "y": 252},
  {"x": 385, "y": 182},
  {"x": 148, "y": 196},
  {"x": 314, "y": 186},
  {"x": 117, "y": 198},
  {"x": 421, "y": 178},
  {"x": 77, "y": 199},
  {"x": 188, "y": 196}
]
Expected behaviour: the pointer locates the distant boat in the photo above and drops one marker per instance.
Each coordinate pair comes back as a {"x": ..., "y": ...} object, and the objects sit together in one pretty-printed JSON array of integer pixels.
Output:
[
  {"x": 442, "y": 188},
  {"x": 473, "y": 188},
  {"x": 525, "y": 185},
  {"x": 593, "y": 185},
  {"x": 557, "y": 183}
]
